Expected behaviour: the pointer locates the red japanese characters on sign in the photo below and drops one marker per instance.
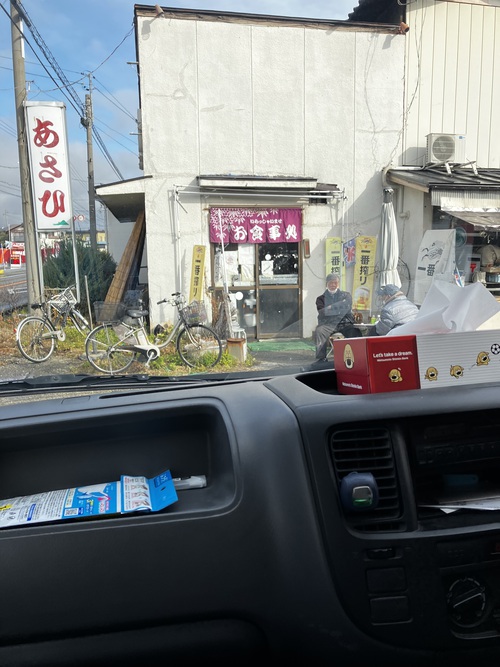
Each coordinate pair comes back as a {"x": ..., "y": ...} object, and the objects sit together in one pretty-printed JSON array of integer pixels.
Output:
[
  {"x": 255, "y": 225},
  {"x": 49, "y": 164}
]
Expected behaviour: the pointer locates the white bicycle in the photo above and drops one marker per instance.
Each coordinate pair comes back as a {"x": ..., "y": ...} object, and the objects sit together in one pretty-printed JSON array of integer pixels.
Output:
[
  {"x": 116, "y": 343},
  {"x": 37, "y": 336}
]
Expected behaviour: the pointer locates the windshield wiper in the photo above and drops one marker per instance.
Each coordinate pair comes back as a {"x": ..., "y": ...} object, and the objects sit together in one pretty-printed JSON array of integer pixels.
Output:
[{"x": 69, "y": 381}]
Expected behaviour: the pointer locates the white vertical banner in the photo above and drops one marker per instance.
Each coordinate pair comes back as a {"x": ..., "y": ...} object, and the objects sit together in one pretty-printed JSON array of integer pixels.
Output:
[
  {"x": 49, "y": 165},
  {"x": 436, "y": 261}
]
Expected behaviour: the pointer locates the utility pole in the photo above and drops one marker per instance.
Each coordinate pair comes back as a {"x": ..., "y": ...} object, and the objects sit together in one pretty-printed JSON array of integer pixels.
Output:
[
  {"x": 88, "y": 122},
  {"x": 33, "y": 277}
]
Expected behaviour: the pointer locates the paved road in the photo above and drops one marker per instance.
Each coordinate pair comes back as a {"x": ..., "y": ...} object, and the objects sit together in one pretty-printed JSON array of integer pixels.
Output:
[{"x": 13, "y": 287}]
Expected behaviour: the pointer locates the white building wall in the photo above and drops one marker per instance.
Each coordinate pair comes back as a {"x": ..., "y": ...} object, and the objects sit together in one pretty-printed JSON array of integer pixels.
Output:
[
  {"x": 452, "y": 78},
  {"x": 452, "y": 86},
  {"x": 269, "y": 100}
]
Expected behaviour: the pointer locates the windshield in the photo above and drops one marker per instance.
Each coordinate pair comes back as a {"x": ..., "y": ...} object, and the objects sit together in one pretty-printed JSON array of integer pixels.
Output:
[{"x": 264, "y": 207}]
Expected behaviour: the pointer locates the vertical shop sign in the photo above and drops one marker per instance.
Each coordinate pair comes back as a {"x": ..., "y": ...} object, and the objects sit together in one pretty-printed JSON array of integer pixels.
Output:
[
  {"x": 364, "y": 271},
  {"x": 197, "y": 273},
  {"x": 436, "y": 258},
  {"x": 333, "y": 255},
  {"x": 49, "y": 165}
]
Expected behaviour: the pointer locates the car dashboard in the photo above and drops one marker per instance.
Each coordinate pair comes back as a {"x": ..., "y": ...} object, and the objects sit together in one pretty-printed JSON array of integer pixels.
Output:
[{"x": 270, "y": 560}]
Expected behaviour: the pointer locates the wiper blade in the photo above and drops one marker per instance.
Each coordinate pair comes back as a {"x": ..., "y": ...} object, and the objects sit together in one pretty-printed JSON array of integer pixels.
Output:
[
  {"x": 71, "y": 382},
  {"x": 84, "y": 381}
]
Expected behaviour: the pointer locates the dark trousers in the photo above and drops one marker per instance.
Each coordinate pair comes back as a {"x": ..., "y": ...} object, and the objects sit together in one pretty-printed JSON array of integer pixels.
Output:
[{"x": 323, "y": 333}]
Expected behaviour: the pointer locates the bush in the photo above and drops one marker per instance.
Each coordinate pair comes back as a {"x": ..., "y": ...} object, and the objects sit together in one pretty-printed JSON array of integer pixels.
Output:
[{"x": 96, "y": 265}]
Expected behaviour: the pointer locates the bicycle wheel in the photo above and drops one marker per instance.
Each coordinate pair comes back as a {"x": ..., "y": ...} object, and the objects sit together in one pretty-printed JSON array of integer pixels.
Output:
[
  {"x": 35, "y": 340},
  {"x": 198, "y": 345},
  {"x": 106, "y": 351},
  {"x": 80, "y": 323}
]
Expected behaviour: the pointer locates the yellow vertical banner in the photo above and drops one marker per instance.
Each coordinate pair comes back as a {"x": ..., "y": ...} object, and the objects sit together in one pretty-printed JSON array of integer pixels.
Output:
[
  {"x": 197, "y": 273},
  {"x": 333, "y": 255},
  {"x": 364, "y": 272}
]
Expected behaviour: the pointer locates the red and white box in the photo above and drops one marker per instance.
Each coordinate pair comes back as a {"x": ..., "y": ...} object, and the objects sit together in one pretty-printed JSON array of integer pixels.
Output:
[{"x": 376, "y": 364}]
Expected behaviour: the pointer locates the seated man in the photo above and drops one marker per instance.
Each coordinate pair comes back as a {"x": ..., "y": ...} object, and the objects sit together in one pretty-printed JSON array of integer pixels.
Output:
[
  {"x": 397, "y": 309},
  {"x": 334, "y": 315}
]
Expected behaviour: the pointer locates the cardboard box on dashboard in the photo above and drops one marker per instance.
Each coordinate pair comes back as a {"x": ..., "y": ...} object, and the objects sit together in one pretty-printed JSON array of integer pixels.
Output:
[
  {"x": 376, "y": 364},
  {"x": 455, "y": 359}
]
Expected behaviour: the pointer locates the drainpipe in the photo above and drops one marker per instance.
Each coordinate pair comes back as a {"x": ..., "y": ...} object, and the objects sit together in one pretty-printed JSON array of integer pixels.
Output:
[{"x": 177, "y": 238}]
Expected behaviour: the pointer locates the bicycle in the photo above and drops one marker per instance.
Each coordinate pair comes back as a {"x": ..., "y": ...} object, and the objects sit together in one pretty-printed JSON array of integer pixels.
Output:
[
  {"x": 122, "y": 337},
  {"x": 36, "y": 336}
]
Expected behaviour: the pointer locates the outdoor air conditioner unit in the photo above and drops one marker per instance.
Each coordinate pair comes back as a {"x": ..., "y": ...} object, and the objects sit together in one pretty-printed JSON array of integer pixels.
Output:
[{"x": 446, "y": 148}]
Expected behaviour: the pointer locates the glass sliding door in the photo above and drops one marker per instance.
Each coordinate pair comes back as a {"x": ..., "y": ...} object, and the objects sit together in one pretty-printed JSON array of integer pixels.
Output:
[{"x": 265, "y": 281}]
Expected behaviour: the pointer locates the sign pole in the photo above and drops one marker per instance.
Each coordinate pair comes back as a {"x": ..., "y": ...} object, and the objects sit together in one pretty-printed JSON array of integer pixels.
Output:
[{"x": 225, "y": 290}]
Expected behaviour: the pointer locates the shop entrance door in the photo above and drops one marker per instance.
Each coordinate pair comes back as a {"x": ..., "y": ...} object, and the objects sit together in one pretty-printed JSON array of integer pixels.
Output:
[{"x": 263, "y": 281}]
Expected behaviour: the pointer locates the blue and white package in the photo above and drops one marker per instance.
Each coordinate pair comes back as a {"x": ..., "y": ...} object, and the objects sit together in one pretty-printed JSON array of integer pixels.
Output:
[{"x": 130, "y": 494}]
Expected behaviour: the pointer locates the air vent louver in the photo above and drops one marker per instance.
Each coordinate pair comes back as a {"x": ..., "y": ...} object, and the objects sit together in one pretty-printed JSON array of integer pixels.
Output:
[{"x": 370, "y": 450}]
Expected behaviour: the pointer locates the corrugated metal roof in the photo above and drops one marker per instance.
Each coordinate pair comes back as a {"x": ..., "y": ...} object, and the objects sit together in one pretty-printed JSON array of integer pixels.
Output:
[
  {"x": 468, "y": 193},
  {"x": 439, "y": 177}
]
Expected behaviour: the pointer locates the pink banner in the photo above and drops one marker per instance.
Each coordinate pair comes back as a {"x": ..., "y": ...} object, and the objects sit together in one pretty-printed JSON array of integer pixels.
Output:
[{"x": 255, "y": 225}]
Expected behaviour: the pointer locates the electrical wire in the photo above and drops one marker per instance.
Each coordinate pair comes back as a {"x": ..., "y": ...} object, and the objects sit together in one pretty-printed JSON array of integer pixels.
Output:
[
  {"x": 7, "y": 128},
  {"x": 39, "y": 59},
  {"x": 116, "y": 102},
  {"x": 115, "y": 49},
  {"x": 127, "y": 148},
  {"x": 67, "y": 88}
]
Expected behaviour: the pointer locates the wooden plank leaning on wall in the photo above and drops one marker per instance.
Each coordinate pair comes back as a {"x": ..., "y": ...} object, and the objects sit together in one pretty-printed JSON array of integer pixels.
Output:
[{"x": 129, "y": 265}]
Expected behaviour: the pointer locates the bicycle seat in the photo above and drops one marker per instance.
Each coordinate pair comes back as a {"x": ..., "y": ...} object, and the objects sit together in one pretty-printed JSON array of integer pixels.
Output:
[{"x": 135, "y": 313}]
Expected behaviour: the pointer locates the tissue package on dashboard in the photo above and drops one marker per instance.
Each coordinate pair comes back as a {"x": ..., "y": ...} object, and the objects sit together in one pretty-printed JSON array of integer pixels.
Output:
[
  {"x": 394, "y": 363},
  {"x": 455, "y": 359}
]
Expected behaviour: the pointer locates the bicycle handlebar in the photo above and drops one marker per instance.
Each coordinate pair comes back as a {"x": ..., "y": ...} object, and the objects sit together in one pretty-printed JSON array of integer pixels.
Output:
[{"x": 177, "y": 298}]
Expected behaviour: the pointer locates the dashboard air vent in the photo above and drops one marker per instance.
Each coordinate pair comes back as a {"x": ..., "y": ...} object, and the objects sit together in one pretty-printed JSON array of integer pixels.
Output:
[{"x": 370, "y": 450}]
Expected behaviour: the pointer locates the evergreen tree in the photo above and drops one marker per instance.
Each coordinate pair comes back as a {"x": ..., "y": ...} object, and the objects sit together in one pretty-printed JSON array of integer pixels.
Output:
[{"x": 96, "y": 265}]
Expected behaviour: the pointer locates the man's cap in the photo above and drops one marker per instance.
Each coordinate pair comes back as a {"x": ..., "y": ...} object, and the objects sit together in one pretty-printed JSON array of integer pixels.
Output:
[
  {"x": 332, "y": 276},
  {"x": 388, "y": 290}
]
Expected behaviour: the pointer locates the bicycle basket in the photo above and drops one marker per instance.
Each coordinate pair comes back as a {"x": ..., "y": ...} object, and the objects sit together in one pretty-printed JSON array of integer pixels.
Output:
[
  {"x": 109, "y": 311},
  {"x": 63, "y": 301},
  {"x": 195, "y": 312}
]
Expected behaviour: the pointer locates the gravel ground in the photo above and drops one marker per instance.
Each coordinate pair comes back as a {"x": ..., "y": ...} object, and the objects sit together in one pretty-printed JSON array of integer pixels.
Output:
[
  {"x": 16, "y": 367},
  {"x": 19, "y": 368}
]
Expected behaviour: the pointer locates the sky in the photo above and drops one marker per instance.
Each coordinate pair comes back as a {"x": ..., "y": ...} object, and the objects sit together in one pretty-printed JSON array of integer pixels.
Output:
[{"x": 92, "y": 43}]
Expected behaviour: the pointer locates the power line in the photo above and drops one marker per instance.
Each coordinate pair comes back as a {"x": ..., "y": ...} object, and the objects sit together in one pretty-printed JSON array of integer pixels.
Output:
[
  {"x": 48, "y": 55},
  {"x": 15, "y": 4},
  {"x": 7, "y": 128},
  {"x": 67, "y": 86},
  {"x": 116, "y": 48},
  {"x": 127, "y": 148},
  {"x": 8, "y": 192},
  {"x": 116, "y": 102}
]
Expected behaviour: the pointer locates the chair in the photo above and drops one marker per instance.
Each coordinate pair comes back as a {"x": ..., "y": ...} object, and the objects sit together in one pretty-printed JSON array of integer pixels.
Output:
[{"x": 334, "y": 336}]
